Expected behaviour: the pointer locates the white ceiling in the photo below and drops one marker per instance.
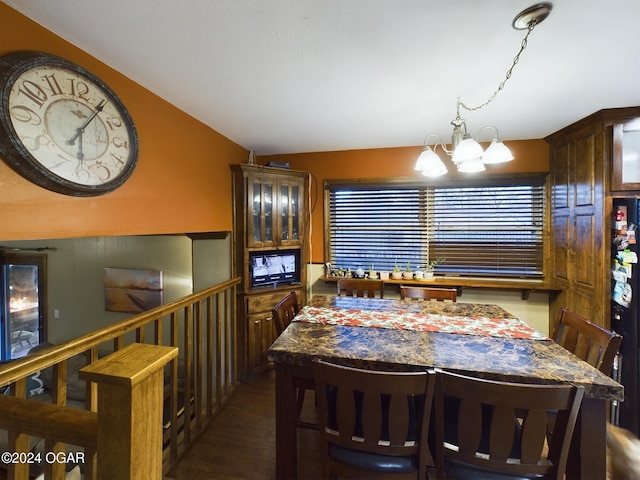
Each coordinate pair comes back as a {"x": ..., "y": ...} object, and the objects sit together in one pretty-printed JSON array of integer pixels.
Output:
[{"x": 290, "y": 76}]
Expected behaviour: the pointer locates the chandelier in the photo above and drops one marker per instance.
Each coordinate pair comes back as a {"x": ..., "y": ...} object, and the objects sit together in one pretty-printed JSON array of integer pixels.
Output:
[{"x": 466, "y": 153}]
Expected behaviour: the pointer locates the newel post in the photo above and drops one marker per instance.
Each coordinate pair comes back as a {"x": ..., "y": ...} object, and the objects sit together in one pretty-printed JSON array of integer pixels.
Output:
[{"x": 130, "y": 396}]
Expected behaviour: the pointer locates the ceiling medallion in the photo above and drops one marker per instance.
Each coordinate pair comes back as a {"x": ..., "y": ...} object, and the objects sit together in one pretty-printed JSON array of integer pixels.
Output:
[{"x": 535, "y": 15}]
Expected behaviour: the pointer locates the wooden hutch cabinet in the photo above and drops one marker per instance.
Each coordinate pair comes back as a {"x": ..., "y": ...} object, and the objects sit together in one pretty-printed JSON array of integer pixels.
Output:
[
  {"x": 586, "y": 172},
  {"x": 270, "y": 224}
]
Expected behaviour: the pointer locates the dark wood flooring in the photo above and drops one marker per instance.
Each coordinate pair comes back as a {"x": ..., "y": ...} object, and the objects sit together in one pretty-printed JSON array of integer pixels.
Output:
[{"x": 240, "y": 443}]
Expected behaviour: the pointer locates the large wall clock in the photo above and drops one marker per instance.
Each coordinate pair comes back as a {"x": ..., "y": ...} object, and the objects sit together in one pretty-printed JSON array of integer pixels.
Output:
[{"x": 62, "y": 127}]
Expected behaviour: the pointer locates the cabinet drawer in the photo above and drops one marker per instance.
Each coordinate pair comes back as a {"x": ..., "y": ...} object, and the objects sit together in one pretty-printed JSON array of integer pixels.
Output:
[{"x": 265, "y": 302}]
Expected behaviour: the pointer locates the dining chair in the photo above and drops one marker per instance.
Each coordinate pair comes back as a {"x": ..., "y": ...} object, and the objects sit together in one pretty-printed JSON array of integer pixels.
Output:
[
  {"x": 283, "y": 313},
  {"x": 373, "y": 424},
  {"x": 429, "y": 293},
  {"x": 590, "y": 342},
  {"x": 360, "y": 287},
  {"x": 518, "y": 414}
]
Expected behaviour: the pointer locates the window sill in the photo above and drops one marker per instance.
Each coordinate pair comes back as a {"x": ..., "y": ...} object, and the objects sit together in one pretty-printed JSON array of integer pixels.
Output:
[{"x": 524, "y": 285}]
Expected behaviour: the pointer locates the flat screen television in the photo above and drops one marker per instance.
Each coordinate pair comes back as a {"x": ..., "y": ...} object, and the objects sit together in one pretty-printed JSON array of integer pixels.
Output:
[{"x": 274, "y": 268}]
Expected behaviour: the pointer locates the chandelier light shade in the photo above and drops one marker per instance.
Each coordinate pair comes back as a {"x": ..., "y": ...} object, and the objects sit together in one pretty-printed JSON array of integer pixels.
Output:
[
  {"x": 497, "y": 153},
  {"x": 466, "y": 153},
  {"x": 430, "y": 164},
  {"x": 473, "y": 165}
]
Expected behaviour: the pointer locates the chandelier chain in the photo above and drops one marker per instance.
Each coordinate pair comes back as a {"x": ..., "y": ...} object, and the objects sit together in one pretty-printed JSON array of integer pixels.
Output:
[{"x": 516, "y": 59}]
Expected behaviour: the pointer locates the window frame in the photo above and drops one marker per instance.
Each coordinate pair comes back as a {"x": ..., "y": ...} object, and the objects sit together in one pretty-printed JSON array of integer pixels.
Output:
[{"x": 485, "y": 180}]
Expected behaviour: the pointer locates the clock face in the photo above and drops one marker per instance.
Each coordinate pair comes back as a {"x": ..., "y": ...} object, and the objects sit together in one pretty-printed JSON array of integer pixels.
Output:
[{"x": 67, "y": 130}]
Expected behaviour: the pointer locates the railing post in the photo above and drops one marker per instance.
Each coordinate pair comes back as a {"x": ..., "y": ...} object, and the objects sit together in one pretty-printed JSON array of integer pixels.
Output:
[{"x": 130, "y": 398}]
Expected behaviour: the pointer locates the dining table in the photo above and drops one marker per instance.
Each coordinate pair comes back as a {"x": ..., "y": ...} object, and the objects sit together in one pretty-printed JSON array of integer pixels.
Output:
[{"x": 480, "y": 340}]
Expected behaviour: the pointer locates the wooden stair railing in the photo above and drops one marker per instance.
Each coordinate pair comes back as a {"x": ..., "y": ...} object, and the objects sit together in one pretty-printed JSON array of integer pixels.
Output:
[
  {"x": 127, "y": 428},
  {"x": 196, "y": 384},
  {"x": 130, "y": 398},
  {"x": 57, "y": 425}
]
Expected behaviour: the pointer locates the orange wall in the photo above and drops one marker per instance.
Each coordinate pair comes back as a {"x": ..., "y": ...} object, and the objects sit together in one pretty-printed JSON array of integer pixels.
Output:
[
  {"x": 178, "y": 186},
  {"x": 529, "y": 156}
]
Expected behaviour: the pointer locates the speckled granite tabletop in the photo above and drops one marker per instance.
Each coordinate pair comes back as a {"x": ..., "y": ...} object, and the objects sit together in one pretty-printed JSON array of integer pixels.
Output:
[{"x": 506, "y": 359}]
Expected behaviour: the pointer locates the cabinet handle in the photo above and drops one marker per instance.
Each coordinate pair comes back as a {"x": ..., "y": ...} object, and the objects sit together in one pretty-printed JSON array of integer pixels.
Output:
[{"x": 256, "y": 322}]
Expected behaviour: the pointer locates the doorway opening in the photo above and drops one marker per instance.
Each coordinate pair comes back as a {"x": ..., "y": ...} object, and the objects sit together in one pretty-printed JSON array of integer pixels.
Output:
[{"x": 22, "y": 303}]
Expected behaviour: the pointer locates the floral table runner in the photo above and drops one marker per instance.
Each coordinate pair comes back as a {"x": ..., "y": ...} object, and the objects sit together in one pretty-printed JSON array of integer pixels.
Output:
[{"x": 425, "y": 322}]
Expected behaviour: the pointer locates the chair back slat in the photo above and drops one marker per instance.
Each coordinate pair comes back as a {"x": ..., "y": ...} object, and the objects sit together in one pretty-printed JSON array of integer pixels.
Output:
[
  {"x": 369, "y": 432},
  {"x": 469, "y": 419},
  {"x": 501, "y": 435},
  {"x": 400, "y": 412},
  {"x": 533, "y": 438}
]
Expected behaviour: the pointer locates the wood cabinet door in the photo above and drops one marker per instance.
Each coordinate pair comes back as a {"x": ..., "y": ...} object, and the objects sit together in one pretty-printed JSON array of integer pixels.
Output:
[
  {"x": 590, "y": 162},
  {"x": 577, "y": 210},
  {"x": 561, "y": 215},
  {"x": 261, "y": 336}
]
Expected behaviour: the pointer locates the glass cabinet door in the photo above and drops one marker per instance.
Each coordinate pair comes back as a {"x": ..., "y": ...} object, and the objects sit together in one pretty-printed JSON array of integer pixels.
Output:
[
  {"x": 274, "y": 210},
  {"x": 626, "y": 156},
  {"x": 260, "y": 209},
  {"x": 290, "y": 215}
]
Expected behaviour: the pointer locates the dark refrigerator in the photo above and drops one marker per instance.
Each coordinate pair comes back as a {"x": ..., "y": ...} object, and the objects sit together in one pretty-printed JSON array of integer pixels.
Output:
[{"x": 625, "y": 310}]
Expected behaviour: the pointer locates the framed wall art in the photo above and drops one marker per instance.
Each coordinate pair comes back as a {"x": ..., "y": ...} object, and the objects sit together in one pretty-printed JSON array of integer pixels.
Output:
[{"x": 132, "y": 290}]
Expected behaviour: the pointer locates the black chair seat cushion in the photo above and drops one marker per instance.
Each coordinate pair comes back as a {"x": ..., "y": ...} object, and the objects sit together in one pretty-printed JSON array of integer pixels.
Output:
[
  {"x": 371, "y": 461},
  {"x": 463, "y": 471}
]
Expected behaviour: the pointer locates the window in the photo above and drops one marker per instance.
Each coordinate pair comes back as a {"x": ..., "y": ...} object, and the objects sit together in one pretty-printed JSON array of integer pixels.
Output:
[{"x": 493, "y": 227}]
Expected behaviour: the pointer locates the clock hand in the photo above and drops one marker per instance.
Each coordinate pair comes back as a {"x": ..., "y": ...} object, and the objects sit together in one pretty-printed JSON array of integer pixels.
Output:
[
  {"x": 80, "y": 130},
  {"x": 80, "y": 153}
]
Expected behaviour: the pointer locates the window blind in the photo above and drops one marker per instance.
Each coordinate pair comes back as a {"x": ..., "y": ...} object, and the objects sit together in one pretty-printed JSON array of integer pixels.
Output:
[
  {"x": 382, "y": 227},
  {"x": 486, "y": 230}
]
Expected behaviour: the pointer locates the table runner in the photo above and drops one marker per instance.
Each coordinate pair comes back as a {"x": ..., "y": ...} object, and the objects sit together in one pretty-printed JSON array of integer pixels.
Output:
[{"x": 425, "y": 322}]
